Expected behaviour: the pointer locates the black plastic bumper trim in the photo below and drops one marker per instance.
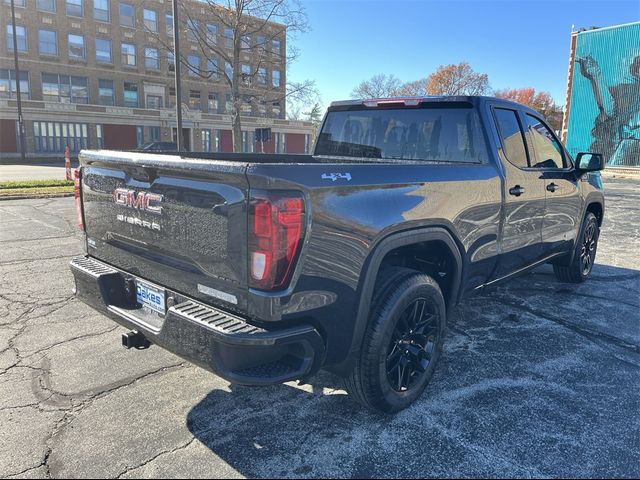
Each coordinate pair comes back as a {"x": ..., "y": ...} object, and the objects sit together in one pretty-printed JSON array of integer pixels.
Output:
[{"x": 219, "y": 341}]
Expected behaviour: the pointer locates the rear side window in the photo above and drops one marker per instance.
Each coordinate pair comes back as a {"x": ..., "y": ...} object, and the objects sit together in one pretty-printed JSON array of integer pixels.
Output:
[
  {"x": 548, "y": 150},
  {"x": 443, "y": 134},
  {"x": 512, "y": 137}
]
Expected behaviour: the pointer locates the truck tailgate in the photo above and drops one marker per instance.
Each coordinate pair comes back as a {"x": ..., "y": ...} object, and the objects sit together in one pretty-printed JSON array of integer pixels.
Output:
[{"x": 179, "y": 223}]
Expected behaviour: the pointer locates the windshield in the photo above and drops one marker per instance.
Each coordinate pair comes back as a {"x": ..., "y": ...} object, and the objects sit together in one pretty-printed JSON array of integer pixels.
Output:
[{"x": 432, "y": 134}]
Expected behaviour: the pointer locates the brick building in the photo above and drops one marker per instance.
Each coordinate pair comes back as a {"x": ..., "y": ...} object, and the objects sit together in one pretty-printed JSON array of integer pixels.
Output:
[{"x": 95, "y": 74}]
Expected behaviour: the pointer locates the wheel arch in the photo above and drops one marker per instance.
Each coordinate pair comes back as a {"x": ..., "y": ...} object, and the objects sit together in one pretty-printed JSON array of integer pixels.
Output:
[{"x": 389, "y": 244}]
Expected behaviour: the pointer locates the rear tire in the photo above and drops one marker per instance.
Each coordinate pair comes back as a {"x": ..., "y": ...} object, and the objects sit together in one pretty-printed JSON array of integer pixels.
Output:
[
  {"x": 584, "y": 255},
  {"x": 402, "y": 343}
]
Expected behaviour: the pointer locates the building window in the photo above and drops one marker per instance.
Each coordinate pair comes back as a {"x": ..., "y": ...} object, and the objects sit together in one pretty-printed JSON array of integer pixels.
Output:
[
  {"x": 101, "y": 10},
  {"x": 17, "y": 3},
  {"x": 46, "y": 5},
  {"x": 128, "y": 55},
  {"x": 171, "y": 61},
  {"x": 8, "y": 87},
  {"x": 275, "y": 78},
  {"x": 168, "y": 19},
  {"x": 76, "y": 48},
  {"x": 212, "y": 69},
  {"x": 212, "y": 103},
  {"x": 21, "y": 36},
  {"x": 216, "y": 140},
  {"x": 130, "y": 95},
  {"x": 245, "y": 42},
  {"x": 228, "y": 37},
  {"x": 206, "y": 140},
  {"x": 192, "y": 30},
  {"x": 154, "y": 102},
  {"x": 127, "y": 15},
  {"x": 171, "y": 103},
  {"x": 212, "y": 34},
  {"x": 47, "y": 42},
  {"x": 150, "y": 20},
  {"x": 100, "y": 136},
  {"x": 79, "y": 90},
  {"x": 140, "y": 136},
  {"x": 64, "y": 88},
  {"x": 75, "y": 8},
  {"x": 151, "y": 58},
  {"x": 154, "y": 134},
  {"x": 275, "y": 46},
  {"x": 193, "y": 62},
  {"x": 262, "y": 76},
  {"x": 245, "y": 107},
  {"x": 247, "y": 142},
  {"x": 106, "y": 95},
  {"x": 194, "y": 100},
  {"x": 228, "y": 70},
  {"x": 54, "y": 137},
  {"x": 275, "y": 108},
  {"x": 246, "y": 74},
  {"x": 280, "y": 142},
  {"x": 103, "y": 50},
  {"x": 228, "y": 103},
  {"x": 261, "y": 42}
]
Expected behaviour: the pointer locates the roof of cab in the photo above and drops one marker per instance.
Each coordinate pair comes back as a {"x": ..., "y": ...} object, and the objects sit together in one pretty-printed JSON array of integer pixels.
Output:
[{"x": 475, "y": 100}]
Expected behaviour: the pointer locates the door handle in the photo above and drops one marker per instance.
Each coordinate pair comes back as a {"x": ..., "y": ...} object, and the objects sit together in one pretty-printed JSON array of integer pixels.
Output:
[
  {"x": 516, "y": 191},
  {"x": 552, "y": 187}
]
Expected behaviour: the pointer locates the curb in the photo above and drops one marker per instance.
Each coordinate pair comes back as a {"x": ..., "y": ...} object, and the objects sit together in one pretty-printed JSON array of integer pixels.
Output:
[{"x": 35, "y": 196}]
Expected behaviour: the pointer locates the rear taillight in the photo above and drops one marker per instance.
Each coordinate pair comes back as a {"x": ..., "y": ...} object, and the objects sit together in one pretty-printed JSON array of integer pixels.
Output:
[
  {"x": 76, "y": 194},
  {"x": 276, "y": 228}
]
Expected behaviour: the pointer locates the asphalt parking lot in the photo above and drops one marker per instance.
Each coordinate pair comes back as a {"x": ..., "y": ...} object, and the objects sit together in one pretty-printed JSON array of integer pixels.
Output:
[{"x": 538, "y": 379}]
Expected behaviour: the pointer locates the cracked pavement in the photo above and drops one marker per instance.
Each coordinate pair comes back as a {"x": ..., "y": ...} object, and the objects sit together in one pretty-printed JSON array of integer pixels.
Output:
[{"x": 538, "y": 379}]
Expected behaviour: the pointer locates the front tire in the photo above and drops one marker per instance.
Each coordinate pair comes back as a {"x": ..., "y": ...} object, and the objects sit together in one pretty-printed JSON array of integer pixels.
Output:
[
  {"x": 402, "y": 343},
  {"x": 585, "y": 253}
]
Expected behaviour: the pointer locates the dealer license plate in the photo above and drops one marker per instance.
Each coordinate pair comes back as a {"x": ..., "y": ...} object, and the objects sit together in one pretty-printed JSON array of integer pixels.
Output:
[{"x": 150, "y": 296}]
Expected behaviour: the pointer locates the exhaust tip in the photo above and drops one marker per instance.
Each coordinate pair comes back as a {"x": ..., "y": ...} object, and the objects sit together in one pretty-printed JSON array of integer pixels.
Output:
[{"x": 135, "y": 339}]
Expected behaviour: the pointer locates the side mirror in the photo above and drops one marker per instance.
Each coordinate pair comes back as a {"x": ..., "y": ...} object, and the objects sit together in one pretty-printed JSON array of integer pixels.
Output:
[{"x": 589, "y": 162}]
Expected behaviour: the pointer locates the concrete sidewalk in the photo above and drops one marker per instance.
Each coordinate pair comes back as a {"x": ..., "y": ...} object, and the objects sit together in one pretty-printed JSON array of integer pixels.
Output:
[{"x": 15, "y": 172}]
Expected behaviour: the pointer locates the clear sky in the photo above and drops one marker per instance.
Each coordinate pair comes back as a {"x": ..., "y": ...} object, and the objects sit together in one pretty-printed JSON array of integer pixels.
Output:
[{"x": 518, "y": 43}]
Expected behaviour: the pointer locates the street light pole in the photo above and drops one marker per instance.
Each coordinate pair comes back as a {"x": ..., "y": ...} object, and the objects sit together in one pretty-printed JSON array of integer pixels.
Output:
[
  {"x": 176, "y": 61},
  {"x": 17, "y": 74}
]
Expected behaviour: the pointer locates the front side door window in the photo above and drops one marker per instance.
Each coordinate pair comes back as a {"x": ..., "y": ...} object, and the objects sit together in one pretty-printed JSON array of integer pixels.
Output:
[{"x": 547, "y": 148}]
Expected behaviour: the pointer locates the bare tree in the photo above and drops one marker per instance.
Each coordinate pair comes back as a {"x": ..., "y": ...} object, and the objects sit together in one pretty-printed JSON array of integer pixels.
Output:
[
  {"x": 416, "y": 88},
  {"x": 241, "y": 41},
  {"x": 458, "y": 79},
  {"x": 378, "y": 86}
]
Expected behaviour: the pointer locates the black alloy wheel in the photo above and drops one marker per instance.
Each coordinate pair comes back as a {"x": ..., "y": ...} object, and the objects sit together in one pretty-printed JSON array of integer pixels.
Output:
[{"x": 412, "y": 345}]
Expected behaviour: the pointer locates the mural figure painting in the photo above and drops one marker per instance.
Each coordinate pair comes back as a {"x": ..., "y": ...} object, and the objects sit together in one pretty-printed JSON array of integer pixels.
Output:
[{"x": 616, "y": 131}]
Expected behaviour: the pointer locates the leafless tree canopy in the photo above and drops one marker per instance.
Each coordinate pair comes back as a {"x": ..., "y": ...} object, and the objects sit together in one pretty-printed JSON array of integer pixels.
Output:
[
  {"x": 378, "y": 86},
  {"x": 240, "y": 42}
]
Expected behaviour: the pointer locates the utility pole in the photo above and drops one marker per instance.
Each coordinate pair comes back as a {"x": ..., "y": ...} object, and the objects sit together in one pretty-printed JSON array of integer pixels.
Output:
[
  {"x": 176, "y": 61},
  {"x": 17, "y": 74}
]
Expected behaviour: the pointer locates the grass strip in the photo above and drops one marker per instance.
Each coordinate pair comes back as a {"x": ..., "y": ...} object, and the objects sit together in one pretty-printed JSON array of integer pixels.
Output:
[{"x": 26, "y": 184}]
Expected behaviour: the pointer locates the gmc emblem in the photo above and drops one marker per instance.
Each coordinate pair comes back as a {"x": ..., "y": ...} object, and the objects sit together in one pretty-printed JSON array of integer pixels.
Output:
[{"x": 146, "y": 201}]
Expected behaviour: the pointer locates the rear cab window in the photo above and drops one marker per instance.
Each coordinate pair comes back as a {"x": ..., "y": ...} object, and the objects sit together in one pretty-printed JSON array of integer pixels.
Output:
[{"x": 451, "y": 133}]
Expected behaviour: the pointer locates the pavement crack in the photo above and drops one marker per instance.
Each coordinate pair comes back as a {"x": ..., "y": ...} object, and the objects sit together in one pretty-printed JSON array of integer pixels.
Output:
[{"x": 155, "y": 457}]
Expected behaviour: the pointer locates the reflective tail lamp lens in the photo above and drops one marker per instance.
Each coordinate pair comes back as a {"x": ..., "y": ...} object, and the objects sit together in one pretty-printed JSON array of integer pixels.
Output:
[
  {"x": 276, "y": 228},
  {"x": 78, "y": 199}
]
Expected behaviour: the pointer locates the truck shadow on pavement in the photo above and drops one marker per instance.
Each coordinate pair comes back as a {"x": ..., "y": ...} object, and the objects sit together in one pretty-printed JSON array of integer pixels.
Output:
[{"x": 524, "y": 388}]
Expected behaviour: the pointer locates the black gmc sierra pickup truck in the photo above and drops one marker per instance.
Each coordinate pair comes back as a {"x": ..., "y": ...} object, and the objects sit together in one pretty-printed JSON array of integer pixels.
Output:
[{"x": 266, "y": 268}]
